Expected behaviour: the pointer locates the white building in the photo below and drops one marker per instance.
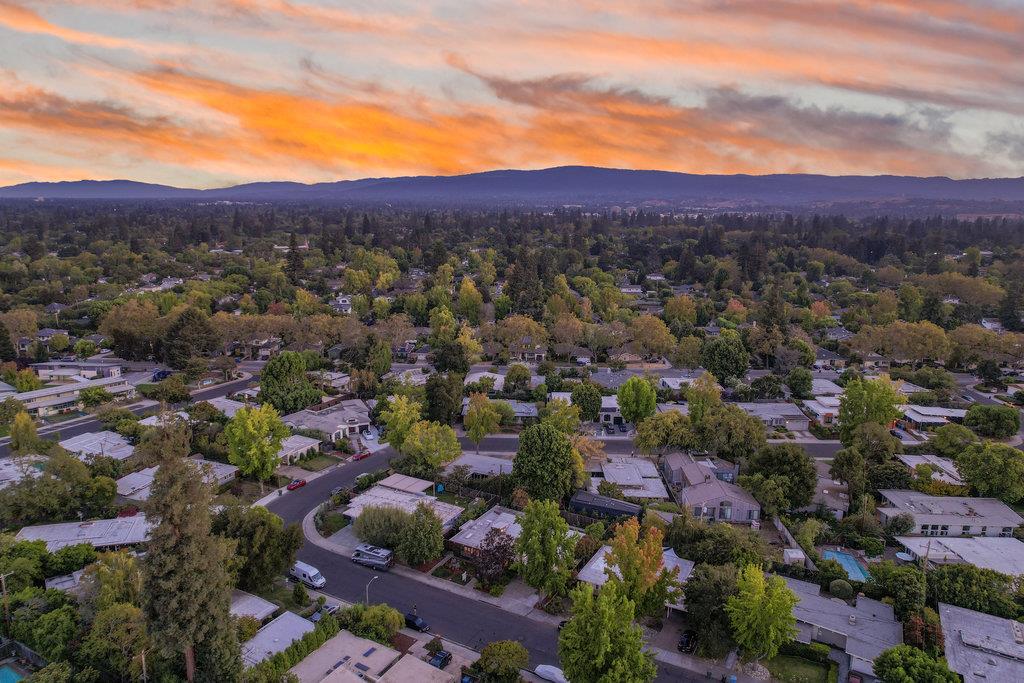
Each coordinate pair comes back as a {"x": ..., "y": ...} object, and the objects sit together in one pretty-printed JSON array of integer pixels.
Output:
[
  {"x": 405, "y": 493},
  {"x": 275, "y": 637},
  {"x": 335, "y": 419},
  {"x": 100, "y": 533},
  {"x": 108, "y": 444},
  {"x": 950, "y": 515},
  {"x": 68, "y": 397},
  {"x": 636, "y": 477},
  {"x": 1004, "y": 555},
  {"x": 295, "y": 446},
  {"x": 136, "y": 486}
]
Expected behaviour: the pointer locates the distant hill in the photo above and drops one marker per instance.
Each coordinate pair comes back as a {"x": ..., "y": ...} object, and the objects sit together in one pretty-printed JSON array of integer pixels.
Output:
[{"x": 570, "y": 185}]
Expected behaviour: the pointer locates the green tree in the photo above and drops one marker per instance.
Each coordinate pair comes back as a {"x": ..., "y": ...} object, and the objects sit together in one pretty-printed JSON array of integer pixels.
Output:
[
  {"x": 53, "y": 632},
  {"x": 399, "y": 417},
  {"x": 7, "y": 351},
  {"x": 544, "y": 465},
  {"x": 501, "y": 661},
  {"x": 186, "y": 588},
  {"x": 23, "y": 434},
  {"x": 587, "y": 397},
  {"x": 284, "y": 385},
  {"x": 703, "y": 395},
  {"x": 191, "y": 334},
  {"x": 95, "y": 396},
  {"x": 800, "y": 381},
  {"x": 471, "y": 302},
  {"x": 770, "y": 491},
  {"x": 381, "y": 525},
  {"x": 866, "y": 401},
  {"x": 378, "y": 357},
  {"x": 83, "y": 348},
  {"x": 994, "y": 470},
  {"x": 115, "y": 640},
  {"x": 706, "y": 594},
  {"x": 600, "y": 643},
  {"x": 792, "y": 467},
  {"x": 668, "y": 430},
  {"x": 725, "y": 357},
  {"x": 422, "y": 538},
  {"x": 905, "y": 585},
  {"x": 636, "y": 560},
  {"x": 970, "y": 587},
  {"x": 561, "y": 415},
  {"x": 950, "y": 440},
  {"x": 545, "y": 547},
  {"x": 761, "y": 613},
  {"x": 637, "y": 400},
  {"x": 730, "y": 433},
  {"x": 429, "y": 447},
  {"x": 254, "y": 438},
  {"x": 443, "y": 397},
  {"x": 265, "y": 547},
  {"x": 517, "y": 380},
  {"x": 906, "y": 664},
  {"x": 850, "y": 467},
  {"x": 482, "y": 418},
  {"x": 997, "y": 422}
]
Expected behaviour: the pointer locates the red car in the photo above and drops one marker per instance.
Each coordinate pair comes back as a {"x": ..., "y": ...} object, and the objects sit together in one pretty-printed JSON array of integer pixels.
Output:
[
  {"x": 361, "y": 456},
  {"x": 296, "y": 484}
]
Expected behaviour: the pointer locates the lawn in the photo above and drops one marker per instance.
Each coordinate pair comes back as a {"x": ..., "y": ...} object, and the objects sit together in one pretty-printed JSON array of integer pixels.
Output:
[
  {"x": 248, "y": 491},
  {"x": 317, "y": 462},
  {"x": 331, "y": 522},
  {"x": 281, "y": 594},
  {"x": 790, "y": 669},
  {"x": 449, "y": 497}
]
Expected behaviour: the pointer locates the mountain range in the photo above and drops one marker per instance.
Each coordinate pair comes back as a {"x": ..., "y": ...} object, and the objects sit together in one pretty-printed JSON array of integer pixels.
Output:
[{"x": 570, "y": 185}]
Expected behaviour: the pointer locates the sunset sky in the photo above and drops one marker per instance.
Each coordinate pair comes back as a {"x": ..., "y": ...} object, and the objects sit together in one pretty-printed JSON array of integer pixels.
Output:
[{"x": 217, "y": 92}]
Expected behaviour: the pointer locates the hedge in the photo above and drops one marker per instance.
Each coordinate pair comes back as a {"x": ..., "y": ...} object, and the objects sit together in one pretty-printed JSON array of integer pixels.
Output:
[
  {"x": 271, "y": 670},
  {"x": 815, "y": 652}
]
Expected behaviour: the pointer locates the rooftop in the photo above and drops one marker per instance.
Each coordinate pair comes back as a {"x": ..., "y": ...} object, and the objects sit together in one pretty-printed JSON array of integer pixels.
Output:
[
  {"x": 105, "y": 443},
  {"x": 136, "y": 485},
  {"x": 275, "y": 637},
  {"x": 384, "y": 496},
  {"x": 410, "y": 668},
  {"x": 100, "y": 533},
  {"x": 980, "y": 647},
  {"x": 638, "y": 477},
  {"x": 950, "y": 509},
  {"x": 248, "y": 605},
  {"x": 943, "y": 469},
  {"x": 345, "y": 658},
  {"x": 595, "y": 573},
  {"x": 473, "y": 532},
  {"x": 1004, "y": 555},
  {"x": 484, "y": 465}
]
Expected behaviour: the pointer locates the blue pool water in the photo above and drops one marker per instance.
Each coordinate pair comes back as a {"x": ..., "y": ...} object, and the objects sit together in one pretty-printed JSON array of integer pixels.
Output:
[
  {"x": 850, "y": 564},
  {"x": 9, "y": 675}
]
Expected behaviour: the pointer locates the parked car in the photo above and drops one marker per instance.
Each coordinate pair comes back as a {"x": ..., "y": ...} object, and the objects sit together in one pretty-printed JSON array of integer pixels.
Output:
[
  {"x": 562, "y": 624},
  {"x": 550, "y": 673},
  {"x": 307, "y": 574},
  {"x": 296, "y": 484},
  {"x": 416, "y": 623},
  {"x": 373, "y": 556},
  {"x": 609, "y": 430},
  {"x": 687, "y": 641},
  {"x": 441, "y": 659},
  {"x": 361, "y": 455},
  {"x": 336, "y": 491},
  {"x": 623, "y": 428}
]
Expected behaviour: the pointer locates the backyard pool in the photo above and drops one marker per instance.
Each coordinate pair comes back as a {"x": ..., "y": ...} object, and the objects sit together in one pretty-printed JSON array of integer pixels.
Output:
[
  {"x": 8, "y": 674},
  {"x": 853, "y": 568}
]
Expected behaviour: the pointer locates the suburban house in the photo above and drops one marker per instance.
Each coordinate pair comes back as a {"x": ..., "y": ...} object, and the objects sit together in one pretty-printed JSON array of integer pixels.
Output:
[
  {"x": 89, "y": 445},
  {"x": 950, "y": 515},
  {"x": 778, "y": 414},
  {"x": 225, "y": 405},
  {"x": 481, "y": 465},
  {"x": 824, "y": 409},
  {"x": 60, "y": 372},
  {"x": 838, "y": 334},
  {"x": 275, "y": 637},
  {"x": 943, "y": 469},
  {"x": 635, "y": 477},
  {"x": 861, "y": 632},
  {"x": 596, "y": 505},
  {"x": 334, "y": 419},
  {"x": 1004, "y": 555},
  {"x": 136, "y": 486},
  {"x": 717, "y": 500},
  {"x": 295, "y": 446},
  {"x": 595, "y": 573},
  {"x": 823, "y": 358},
  {"x": 245, "y": 604},
  {"x": 100, "y": 533},
  {"x": 825, "y": 387},
  {"x": 68, "y": 397},
  {"x": 467, "y": 541},
  {"x": 980, "y": 647},
  {"x": 930, "y": 417},
  {"x": 526, "y": 351},
  {"x": 405, "y": 493},
  {"x": 683, "y": 469},
  {"x": 610, "y": 411},
  {"x": 14, "y": 470}
]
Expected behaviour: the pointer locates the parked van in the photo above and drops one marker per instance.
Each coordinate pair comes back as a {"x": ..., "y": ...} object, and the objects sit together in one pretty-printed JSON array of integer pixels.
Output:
[
  {"x": 372, "y": 556},
  {"x": 308, "y": 575}
]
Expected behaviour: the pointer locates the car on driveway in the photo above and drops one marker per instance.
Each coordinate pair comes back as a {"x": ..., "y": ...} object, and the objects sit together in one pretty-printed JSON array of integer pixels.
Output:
[
  {"x": 623, "y": 428},
  {"x": 416, "y": 623},
  {"x": 609, "y": 430},
  {"x": 296, "y": 484},
  {"x": 687, "y": 641},
  {"x": 441, "y": 659},
  {"x": 337, "y": 490}
]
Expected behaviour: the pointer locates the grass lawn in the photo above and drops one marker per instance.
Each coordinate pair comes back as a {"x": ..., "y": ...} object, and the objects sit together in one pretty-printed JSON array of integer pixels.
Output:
[
  {"x": 317, "y": 463},
  {"x": 449, "y": 497},
  {"x": 248, "y": 491},
  {"x": 281, "y": 594},
  {"x": 790, "y": 669},
  {"x": 331, "y": 523}
]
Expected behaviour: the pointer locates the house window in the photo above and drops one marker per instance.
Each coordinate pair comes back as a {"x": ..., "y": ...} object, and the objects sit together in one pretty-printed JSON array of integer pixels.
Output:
[
  {"x": 1006, "y": 532},
  {"x": 696, "y": 511},
  {"x": 965, "y": 530},
  {"x": 750, "y": 514},
  {"x": 945, "y": 530},
  {"x": 725, "y": 511}
]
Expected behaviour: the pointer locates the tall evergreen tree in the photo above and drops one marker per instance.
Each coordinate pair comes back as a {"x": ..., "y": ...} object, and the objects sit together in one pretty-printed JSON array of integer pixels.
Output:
[
  {"x": 7, "y": 351},
  {"x": 295, "y": 262},
  {"x": 186, "y": 586}
]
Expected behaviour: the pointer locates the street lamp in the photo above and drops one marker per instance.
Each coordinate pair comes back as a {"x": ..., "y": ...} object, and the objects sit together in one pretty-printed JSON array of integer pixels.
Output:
[{"x": 368, "y": 589}]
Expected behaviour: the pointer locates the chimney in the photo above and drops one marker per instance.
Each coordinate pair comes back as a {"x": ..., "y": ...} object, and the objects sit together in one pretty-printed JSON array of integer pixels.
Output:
[{"x": 853, "y": 619}]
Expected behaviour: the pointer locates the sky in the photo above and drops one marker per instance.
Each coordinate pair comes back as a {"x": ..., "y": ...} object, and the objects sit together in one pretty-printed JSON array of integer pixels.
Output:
[{"x": 217, "y": 92}]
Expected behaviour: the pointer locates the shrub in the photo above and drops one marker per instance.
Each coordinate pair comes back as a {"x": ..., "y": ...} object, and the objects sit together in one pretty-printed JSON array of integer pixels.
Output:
[
  {"x": 815, "y": 652},
  {"x": 381, "y": 525},
  {"x": 841, "y": 589},
  {"x": 274, "y": 669},
  {"x": 300, "y": 596}
]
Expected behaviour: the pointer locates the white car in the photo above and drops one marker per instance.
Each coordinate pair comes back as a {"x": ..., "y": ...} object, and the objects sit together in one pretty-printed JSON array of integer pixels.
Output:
[{"x": 550, "y": 673}]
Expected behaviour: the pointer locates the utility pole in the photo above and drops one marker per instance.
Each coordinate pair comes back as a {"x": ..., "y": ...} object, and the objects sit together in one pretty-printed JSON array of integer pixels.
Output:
[
  {"x": 7, "y": 602},
  {"x": 368, "y": 589}
]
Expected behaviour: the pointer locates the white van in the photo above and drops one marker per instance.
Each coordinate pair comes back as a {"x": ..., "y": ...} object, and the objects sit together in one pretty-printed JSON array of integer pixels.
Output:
[{"x": 308, "y": 575}]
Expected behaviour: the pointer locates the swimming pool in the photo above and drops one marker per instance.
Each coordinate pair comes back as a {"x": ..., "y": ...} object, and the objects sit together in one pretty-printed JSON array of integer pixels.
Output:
[
  {"x": 853, "y": 568},
  {"x": 9, "y": 674}
]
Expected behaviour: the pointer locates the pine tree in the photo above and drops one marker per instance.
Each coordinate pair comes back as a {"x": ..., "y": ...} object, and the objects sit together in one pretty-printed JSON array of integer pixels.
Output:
[
  {"x": 295, "y": 261},
  {"x": 186, "y": 587}
]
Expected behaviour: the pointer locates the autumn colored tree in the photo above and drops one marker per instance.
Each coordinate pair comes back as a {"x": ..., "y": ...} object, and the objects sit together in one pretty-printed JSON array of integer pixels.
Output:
[{"x": 636, "y": 560}]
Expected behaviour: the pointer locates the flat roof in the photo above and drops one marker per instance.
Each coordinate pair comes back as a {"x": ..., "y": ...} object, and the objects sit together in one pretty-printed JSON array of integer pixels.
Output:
[
  {"x": 410, "y": 668},
  {"x": 136, "y": 485},
  {"x": 928, "y": 509},
  {"x": 248, "y": 605},
  {"x": 69, "y": 388},
  {"x": 296, "y": 443},
  {"x": 345, "y": 657},
  {"x": 1004, "y": 555},
  {"x": 13, "y": 470},
  {"x": 472, "y": 533},
  {"x": 593, "y": 572},
  {"x": 100, "y": 533},
  {"x": 275, "y": 637},
  {"x": 105, "y": 443},
  {"x": 638, "y": 477},
  {"x": 486, "y": 465},
  {"x": 383, "y": 496},
  {"x": 980, "y": 647},
  {"x": 943, "y": 469},
  {"x": 225, "y": 405},
  {"x": 402, "y": 482},
  {"x": 772, "y": 409}
]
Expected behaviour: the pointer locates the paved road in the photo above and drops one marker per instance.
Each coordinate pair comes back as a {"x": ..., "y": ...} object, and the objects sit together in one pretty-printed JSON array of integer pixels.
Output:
[{"x": 460, "y": 619}]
